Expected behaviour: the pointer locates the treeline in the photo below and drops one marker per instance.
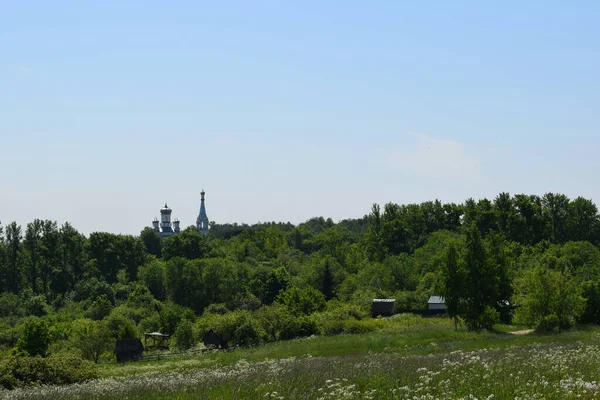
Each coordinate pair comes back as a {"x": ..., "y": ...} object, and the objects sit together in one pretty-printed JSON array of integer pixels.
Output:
[{"x": 407, "y": 252}]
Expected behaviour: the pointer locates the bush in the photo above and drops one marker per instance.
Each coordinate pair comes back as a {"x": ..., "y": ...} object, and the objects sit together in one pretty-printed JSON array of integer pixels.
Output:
[
  {"x": 332, "y": 327},
  {"x": 489, "y": 317},
  {"x": 184, "y": 336},
  {"x": 365, "y": 326},
  {"x": 547, "y": 324},
  {"x": 36, "y": 305},
  {"x": 121, "y": 327},
  {"x": 171, "y": 315},
  {"x": 238, "y": 328},
  {"x": 216, "y": 308},
  {"x": 35, "y": 337},
  {"x": 302, "y": 300},
  {"x": 62, "y": 369},
  {"x": 295, "y": 327},
  {"x": 99, "y": 309}
]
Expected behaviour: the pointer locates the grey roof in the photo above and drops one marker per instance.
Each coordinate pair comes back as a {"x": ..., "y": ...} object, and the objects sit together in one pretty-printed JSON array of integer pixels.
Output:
[
  {"x": 156, "y": 334},
  {"x": 384, "y": 300},
  {"x": 436, "y": 300}
]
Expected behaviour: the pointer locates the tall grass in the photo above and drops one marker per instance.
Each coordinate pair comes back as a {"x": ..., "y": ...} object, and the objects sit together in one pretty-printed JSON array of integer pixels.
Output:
[{"x": 424, "y": 360}]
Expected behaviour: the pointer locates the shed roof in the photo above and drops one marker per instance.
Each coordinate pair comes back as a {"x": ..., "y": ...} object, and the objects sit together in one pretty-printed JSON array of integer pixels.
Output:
[
  {"x": 384, "y": 300},
  {"x": 436, "y": 300},
  {"x": 156, "y": 334}
]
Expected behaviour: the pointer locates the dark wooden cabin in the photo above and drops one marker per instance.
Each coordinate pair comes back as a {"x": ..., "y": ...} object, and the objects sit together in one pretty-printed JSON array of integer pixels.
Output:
[
  {"x": 129, "y": 350},
  {"x": 383, "y": 307},
  {"x": 213, "y": 341}
]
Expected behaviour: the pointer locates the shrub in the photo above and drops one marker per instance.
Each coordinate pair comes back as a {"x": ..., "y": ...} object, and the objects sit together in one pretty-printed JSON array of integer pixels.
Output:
[
  {"x": 121, "y": 327},
  {"x": 36, "y": 305},
  {"x": 332, "y": 327},
  {"x": 92, "y": 338},
  {"x": 63, "y": 369},
  {"x": 171, "y": 315},
  {"x": 216, "y": 308},
  {"x": 489, "y": 317},
  {"x": 35, "y": 337},
  {"x": 100, "y": 308},
  {"x": 547, "y": 324},
  {"x": 238, "y": 328},
  {"x": 184, "y": 336},
  {"x": 364, "y": 326},
  {"x": 302, "y": 300}
]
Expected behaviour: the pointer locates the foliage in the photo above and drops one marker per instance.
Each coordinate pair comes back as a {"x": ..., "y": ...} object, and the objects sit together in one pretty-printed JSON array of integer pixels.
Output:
[
  {"x": 302, "y": 300},
  {"x": 548, "y": 299},
  {"x": 92, "y": 338},
  {"x": 18, "y": 371},
  {"x": 184, "y": 335},
  {"x": 35, "y": 337},
  {"x": 275, "y": 281}
]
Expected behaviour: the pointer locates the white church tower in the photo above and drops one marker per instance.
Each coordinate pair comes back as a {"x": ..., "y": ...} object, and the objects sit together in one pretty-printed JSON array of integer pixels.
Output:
[{"x": 202, "y": 220}]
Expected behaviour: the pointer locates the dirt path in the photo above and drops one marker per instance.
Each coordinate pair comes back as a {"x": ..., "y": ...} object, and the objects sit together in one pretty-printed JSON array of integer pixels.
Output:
[{"x": 518, "y": 333}]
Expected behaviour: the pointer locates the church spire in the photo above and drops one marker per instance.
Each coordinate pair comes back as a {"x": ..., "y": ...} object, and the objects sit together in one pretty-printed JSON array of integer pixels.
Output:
[{"x": 202, "y": 220}]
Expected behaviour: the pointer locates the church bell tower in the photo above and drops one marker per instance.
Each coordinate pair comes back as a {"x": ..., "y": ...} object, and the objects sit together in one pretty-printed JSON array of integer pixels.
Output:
[{"x": 202, "y": 220}]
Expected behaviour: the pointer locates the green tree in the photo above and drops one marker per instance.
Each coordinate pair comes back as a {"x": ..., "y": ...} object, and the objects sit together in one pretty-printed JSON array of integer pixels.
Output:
[
  {"x": 35, "y": 337},
  {"x": 184, "y": 335},
  {"x": 454, "y": 277},
  {"x": 151, "y": 240},
  {"x": 13, "y": 272},
  {"x": 548, "y": 298},
  {"x": 556, "y": 208},
  {"x": 482, "y": 281},
  {"x": 33, "y": 236},
  {"x": 152, "y": 274},
  {"x": 92, "y": 338},
  {"x": 302, "y": 300}
]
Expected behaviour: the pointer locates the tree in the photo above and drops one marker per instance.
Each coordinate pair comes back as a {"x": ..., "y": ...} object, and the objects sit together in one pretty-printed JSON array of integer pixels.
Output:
[
  {"x": 152, "y": 274},
  {"x": 556, "y": 208},
  {"x": 151, "y": 240},
  {"x": 188, "y": 244},
  {"x": 480, "y": 294},
  {"x": 454, "y": 276},
  {"x": 184, "y": 335},
  {"x": 302, "y": 300},
  {"x": 33, "y": 236},
  {"x": 583, "y": 222},
  {"x": 35, "y": 337},
  {"x": 327, "y": 281},
  {"x": 92, "y": 338},
  {"x": 13, "y": 276},
  {"x": 548, "y": 299}
]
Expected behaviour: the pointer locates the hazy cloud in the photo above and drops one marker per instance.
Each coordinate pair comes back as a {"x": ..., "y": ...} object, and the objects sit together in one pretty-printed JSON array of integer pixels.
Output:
[{"x": 436, "y": 158}]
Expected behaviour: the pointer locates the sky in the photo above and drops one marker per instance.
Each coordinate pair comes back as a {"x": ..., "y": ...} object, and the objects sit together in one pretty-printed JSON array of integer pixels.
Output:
[{"x": 283, "y": 111}]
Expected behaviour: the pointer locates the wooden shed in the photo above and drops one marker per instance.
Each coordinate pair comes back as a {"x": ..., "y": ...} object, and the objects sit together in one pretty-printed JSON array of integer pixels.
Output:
[
  {"x": 383, "y": 307},
  {"x": 436, "y": 303},
  {"x": 129, "y": 350},
  {"x": 213, "y": 341}
]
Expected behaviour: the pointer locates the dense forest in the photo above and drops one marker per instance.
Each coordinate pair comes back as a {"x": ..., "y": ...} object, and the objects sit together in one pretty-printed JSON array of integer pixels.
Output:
[{"x": 535, "y": 259}]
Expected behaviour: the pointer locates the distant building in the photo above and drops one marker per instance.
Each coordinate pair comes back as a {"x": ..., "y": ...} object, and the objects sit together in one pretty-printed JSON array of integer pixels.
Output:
[
  {"x": 383, "y": 307},
  {"x": 166, "y": 228},
  {"x": 436, "y": 303},
  {"x": 129, "y": 350},
  {"x": 202, "y": 220}
]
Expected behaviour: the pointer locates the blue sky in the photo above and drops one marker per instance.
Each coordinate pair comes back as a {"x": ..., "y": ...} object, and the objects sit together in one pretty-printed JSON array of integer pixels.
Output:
[{"x": 287, "y": 110}]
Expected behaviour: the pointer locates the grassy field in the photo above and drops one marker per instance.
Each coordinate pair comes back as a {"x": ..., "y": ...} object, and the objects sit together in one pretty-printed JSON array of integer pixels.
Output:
[{"x": 409, "y": 358}]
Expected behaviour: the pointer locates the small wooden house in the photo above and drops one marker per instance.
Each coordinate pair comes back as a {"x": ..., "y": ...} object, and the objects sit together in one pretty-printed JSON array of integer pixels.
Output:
[
  {"x": 383, "y": 307},
  {"x": 213, "y": 341},
  {"x": 129, "y": 350},
  {"x": 436, "y": 303}
]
